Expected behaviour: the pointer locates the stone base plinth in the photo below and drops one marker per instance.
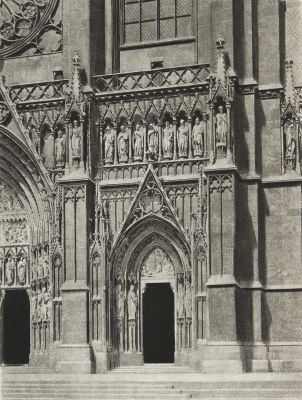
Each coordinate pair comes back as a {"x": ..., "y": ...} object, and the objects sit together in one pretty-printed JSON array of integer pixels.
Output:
[
  {"x": 74, "y": 359},
  {"x": 131, "y": 359}
]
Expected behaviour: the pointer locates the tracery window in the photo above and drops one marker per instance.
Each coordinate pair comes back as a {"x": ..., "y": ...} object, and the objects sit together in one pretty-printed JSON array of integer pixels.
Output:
[
  {"x": 151, "y": 20},
  {"x": 30, "y": 27}
]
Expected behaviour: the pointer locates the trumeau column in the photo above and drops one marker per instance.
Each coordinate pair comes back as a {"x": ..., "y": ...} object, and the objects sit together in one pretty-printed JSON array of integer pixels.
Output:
[{"x": 74, "y": 352}]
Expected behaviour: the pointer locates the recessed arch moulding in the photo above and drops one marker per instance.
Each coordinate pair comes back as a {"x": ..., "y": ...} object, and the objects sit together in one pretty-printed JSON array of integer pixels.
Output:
[
  {"x": 150, "y": 250},
  {"x": 26, "y": 231}
]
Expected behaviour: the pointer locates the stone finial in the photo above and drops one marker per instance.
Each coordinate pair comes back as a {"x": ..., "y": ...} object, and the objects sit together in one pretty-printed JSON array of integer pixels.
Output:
[
  {"x": 289, "y": 82},
  {"x": 76, "y": 80},
  {"x": 221, "y": 67}
]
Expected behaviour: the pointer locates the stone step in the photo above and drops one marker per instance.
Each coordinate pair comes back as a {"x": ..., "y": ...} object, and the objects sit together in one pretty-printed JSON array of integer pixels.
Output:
[{"x": 267, "y": 393}]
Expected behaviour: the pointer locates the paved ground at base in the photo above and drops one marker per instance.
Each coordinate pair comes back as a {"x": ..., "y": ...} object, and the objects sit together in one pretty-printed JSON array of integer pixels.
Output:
[{"x": 149, "y": 382}]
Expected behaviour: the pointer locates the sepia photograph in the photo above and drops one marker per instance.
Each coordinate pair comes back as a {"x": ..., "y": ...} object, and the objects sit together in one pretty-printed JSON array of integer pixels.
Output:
[{"x": 150, "y": 199}]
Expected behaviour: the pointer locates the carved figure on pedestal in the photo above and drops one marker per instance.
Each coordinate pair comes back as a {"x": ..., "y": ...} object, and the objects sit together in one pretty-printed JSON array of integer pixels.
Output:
[
  {"x": 44, "y": 304},
  {"x": 188, "y": 299},
  {"x": 132, "y": 306},
  {"x": 138, "y": 143},
  {"x": 21, "y": 268},
  {"x": 182, "y": 139},
  {"x": 290, "y": 150},
  {"x": 10, "y": 271},
  {"x": 45, "y": 264},
  {"x": 198, "y": 134},
  {"x": 180, "y": 301},
  {"x": 109, "y": 145},
  {"x": 60, "y": 149},
  {"x": 221, "y": 127},
  {"x": 34, "y": 136},
  {"x": 39, "y": 304},
  {"x": 47, "y": 151},
  {"x": 76, "y": 142},
  {"x": 120, "y": 309},
  {"x": 153, "y": 141},
  {"x": 123, "y": 144},
  {"x": 120, "y": 301},
  {"x": 40, "y": 266},
  {"x": 167, "y": 140}
]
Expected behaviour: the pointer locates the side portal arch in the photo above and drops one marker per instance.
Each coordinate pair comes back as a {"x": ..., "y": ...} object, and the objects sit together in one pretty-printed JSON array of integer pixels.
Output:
[{"x": 152, "y": 252}]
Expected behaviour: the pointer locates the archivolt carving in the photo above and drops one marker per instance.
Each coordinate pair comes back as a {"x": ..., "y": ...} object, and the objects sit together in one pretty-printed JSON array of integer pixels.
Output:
[{"x": 9, "y": 202}]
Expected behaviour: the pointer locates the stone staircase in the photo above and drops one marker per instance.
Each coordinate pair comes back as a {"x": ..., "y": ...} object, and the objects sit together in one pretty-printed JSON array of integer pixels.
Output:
[{"x": 152, "y": 381}]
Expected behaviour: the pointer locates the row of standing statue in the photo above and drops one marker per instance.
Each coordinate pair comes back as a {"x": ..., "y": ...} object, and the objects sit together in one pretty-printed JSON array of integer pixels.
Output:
[
  {"x": 53, "y": 146},
  {"x": 14, "y": 270},
  {"x": 137, "y": 144},
  {"x": 183, "y": 301},
  {"x": 127, "y": 145}
]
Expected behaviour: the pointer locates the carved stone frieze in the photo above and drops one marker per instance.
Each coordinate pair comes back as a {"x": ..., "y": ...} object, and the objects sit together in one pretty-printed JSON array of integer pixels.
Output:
[{"x": 220, "y": 183}]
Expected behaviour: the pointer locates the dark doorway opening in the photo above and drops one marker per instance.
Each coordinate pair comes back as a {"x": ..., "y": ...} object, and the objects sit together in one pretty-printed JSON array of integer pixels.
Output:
[
  {"x": 158, "y": 323},
  {"x": 16, "y": 327}
]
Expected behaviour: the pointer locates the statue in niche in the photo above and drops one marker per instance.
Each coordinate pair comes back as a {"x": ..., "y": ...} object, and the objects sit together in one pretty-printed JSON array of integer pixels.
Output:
[
  {"x": 21, "y": 268},
  {"x": 48, "y": 147},
  {"x": 198, "y": 134},
  {"x": 34, "y": 136},
  {"x": 290, "y": 150},
  {"x": 34, "y": 270},
  {"x": 45, "y": 267},
  {"x": 221, "y": 127},
  {"x": 109, "y": 145},
  {"x": 132, "y": 306},
  {"x": 39, "y": 304},
  {"x": 138, "y": 143},
  {"x": 132, "y": 303},
  {"x": 167, "y": 140},
  {"x": 60, "y": 149},
  {"x": 34, "y": 304},
  {"x": 188, "y": 299},
  {"x": 120, "y": 301},
  {"x": 40, "y": 266},
  {"x": 76, "y": 141},
  {"x": 10, "y": 271},
  {"x": 182, "y": 138},
  {"x": 153, "y": 140},
  {"x": 123, "y": 144},
  {"x": 180, "y": 301},
  {"x": 45, "y": 304}
]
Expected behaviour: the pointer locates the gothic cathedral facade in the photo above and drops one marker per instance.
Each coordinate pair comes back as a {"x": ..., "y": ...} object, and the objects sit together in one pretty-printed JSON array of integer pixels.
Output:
[{"x": 150, "y": 175}]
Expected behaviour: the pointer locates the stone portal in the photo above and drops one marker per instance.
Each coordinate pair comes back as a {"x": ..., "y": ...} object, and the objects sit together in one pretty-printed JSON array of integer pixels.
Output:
[{"x": 158, "y": 323}]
